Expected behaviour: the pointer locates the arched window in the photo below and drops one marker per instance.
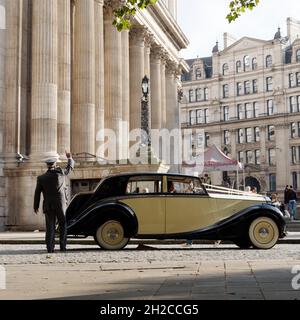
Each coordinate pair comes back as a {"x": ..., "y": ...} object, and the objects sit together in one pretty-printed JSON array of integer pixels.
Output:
[
  {"x": 268, "y": 61},
  {"x": 198, "y": 73},
  {"x": 246, "y": 61},
  {"x": 298, "y": 55},
  {"x": 238, "y": 66},
  {"x": 254, "y": 64},
  {"x": 225, "y": 69}
]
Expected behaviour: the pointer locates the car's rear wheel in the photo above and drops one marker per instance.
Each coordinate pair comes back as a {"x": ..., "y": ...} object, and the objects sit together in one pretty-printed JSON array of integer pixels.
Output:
[
  {"x": 110, "y": 235},
  {"x": 243, "y": 243},
  {"x": 263, "y": 233}
]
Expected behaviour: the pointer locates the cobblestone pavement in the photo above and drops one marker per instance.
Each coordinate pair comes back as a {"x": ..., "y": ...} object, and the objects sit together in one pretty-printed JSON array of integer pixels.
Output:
[
  {"x": 158, "y": 272},
  {"x": 36, "y": 254}
]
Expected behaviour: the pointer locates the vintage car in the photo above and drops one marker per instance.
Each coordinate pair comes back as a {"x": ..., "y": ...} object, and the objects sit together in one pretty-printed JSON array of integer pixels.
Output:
[{"x": 170, "y": 206}]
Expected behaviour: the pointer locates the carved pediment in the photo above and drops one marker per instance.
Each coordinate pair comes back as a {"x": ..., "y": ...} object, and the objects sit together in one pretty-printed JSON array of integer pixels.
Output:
[{"x": 244, "y": 44}]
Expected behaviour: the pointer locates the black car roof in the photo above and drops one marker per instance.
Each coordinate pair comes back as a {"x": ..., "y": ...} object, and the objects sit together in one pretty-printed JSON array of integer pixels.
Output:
[{"x": 126, "y": 174}]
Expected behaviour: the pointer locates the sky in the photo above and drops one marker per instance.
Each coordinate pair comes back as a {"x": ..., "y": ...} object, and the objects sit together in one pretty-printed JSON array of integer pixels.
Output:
[{"x": 204, "y": 22}]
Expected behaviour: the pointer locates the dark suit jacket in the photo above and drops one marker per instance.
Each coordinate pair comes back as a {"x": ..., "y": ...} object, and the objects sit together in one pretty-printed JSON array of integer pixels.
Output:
[{"x": 52, "y": 185}]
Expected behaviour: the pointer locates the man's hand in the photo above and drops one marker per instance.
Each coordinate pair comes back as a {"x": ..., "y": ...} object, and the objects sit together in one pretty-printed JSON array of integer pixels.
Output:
[
  {"x": 36, "y": 211},
  {"x": 68, "y": 154}
]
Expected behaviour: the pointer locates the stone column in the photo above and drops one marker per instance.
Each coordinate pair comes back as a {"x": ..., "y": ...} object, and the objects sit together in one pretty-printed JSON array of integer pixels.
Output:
[
  {"x": 83, "y": 91},
  {"x": 156, "y": 86},
  {"x": 137, "y": 70},
  {"x": 64, "y": 77},
  {"x": 125, "y": 93},
  {"x": 44, "y": 79},
  {"x": 113, "y": 75},
  {"x": 12, "y": 72},
  {"x": 171, "y": 98},
  {"x": 163, "y": 92},
  {"x": 99, "y": 76},
  {"x": 147, "y": 52}
]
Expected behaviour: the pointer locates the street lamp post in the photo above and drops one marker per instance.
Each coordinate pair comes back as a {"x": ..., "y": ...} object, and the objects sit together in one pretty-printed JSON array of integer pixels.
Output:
[{"x": 145, "y": 137}]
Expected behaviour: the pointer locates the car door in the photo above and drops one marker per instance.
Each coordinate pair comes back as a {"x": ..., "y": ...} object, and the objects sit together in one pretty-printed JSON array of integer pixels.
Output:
[
  {"x": 145, "y": 198},
  {"x": 187, "y": 210}
]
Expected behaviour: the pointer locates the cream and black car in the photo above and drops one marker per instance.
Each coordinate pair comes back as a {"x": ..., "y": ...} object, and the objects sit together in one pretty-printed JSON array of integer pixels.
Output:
[{"x": 170, "y": 206}]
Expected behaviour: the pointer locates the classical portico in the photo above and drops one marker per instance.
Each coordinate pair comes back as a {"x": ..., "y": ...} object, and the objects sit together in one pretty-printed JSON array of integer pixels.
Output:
[{"x": 69, "y": 74}]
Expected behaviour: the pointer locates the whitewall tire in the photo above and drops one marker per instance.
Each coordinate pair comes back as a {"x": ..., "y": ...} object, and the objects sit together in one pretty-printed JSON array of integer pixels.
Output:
[
  {"x": 263, "y": 233},
  {"x": 110, "y": 235}
]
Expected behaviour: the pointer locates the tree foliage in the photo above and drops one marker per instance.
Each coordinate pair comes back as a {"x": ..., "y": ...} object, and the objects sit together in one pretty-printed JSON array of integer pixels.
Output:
[
  {"x": 129, "y": 8},
  {"x": 239, "y": 6}
]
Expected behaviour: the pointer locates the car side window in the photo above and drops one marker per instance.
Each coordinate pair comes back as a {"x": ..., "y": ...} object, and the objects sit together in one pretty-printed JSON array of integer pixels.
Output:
[
  {"x": 140, "y": 185},
  {"x": 184, "y": 185}
]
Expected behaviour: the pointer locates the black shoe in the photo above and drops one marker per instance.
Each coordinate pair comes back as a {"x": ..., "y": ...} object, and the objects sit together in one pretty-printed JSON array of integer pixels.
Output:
[
  {"x": 50, "y": 251},
  {"x": 63, "y": 249}
]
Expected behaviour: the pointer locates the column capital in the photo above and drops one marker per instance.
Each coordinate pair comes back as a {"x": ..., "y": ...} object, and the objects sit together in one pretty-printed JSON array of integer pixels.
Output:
[
  {"x": 101, "y": 2},
  {"x": 137, "y": 36},
  {"x": 111, "y": 5},
  {"x": 172, "y": 68}
]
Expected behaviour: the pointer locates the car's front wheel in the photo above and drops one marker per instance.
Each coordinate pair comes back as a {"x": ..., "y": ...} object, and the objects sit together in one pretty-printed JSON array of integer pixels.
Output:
[
  {"x": 263, "y": 233},
  {"x": 110, "y": 235}
]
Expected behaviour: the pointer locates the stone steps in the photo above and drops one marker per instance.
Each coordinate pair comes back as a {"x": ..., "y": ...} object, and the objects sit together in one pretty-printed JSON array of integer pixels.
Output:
[{"x": 293, "y": 226}]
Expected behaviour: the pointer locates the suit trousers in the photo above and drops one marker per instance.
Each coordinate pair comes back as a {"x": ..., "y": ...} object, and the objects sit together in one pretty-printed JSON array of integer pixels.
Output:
[{"x": 51, "y": 217}]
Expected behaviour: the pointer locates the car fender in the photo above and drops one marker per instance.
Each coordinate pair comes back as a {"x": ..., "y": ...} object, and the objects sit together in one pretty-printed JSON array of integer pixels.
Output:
[{"x": 99, "y": 212}]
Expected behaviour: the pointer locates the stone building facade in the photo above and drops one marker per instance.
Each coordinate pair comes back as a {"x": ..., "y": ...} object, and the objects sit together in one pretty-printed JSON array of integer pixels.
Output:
[
  {"x": 246, "y": 97},
  {"x": 67, "y": 73}
]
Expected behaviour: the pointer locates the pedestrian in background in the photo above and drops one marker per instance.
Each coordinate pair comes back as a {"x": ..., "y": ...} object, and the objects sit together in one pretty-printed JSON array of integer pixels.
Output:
[
  {"x": 292, "y": 202},
  {"x": 52, "y": 185}
]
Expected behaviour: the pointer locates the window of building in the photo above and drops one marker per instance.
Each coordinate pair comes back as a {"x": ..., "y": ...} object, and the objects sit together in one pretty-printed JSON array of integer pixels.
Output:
[
  {"x": 241, "y": 156},
  {"x": 295, "y": 180},
  {"x": 298, "y": 125},
  {"x": 291, "y": 80},
  {"x": 225, "y": 91},
  {"x": 198, "y": 94},
  {"x": 198, "y": 74},
  {"x": 240, "y": 111},
  {"x": 268, "y": 61},
  {"x": 248, "y": 135},
  {"x": 293, "y": 104},
  {"x": 298, "y": 103},
  {"x": 238, "y": 88},
  {"x": 225, "y": 69},
  {"x": 272, "y": 156},
  {"x": 256, "y": 109},
  {"x": 205, "y": 94},
  {"x": 257, "y": 156},
  {"x": 248, "y": 110},
  {"x": 191, "y": 95},
  {"x": 269, "y": 83},
  {"x": 247, "y": 87},
  {"x": 297, "y": 79},
  {"x": 298, "y": 55},
  {"x": 272, "y": 182},
  {"x": 206, "y": 139},
  {"x": 271, "y": 132},
  {"x": 270, "y": 107},
  {"x": 254, "y": 64},
  {"x": 225, "y": 113},
  {"x": 226, "y": 136},
  {"x": 254, "y": 86},
  {"x": 240, "y": 135},
  {"x": 192, "y": 117},
  {"x": 200, "y": 140},
  {"x": 206, "y": 115},
  {"x": 293, "y": 155},
  {"x": 256, "y": 134},
  {"x": 293, "y": 129},
  {"x": 249, "y": 156},
  {"x": 238, "y": 66},
  {"x": 199, "y": 116},
  {"x": 246, "y": 63}
]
